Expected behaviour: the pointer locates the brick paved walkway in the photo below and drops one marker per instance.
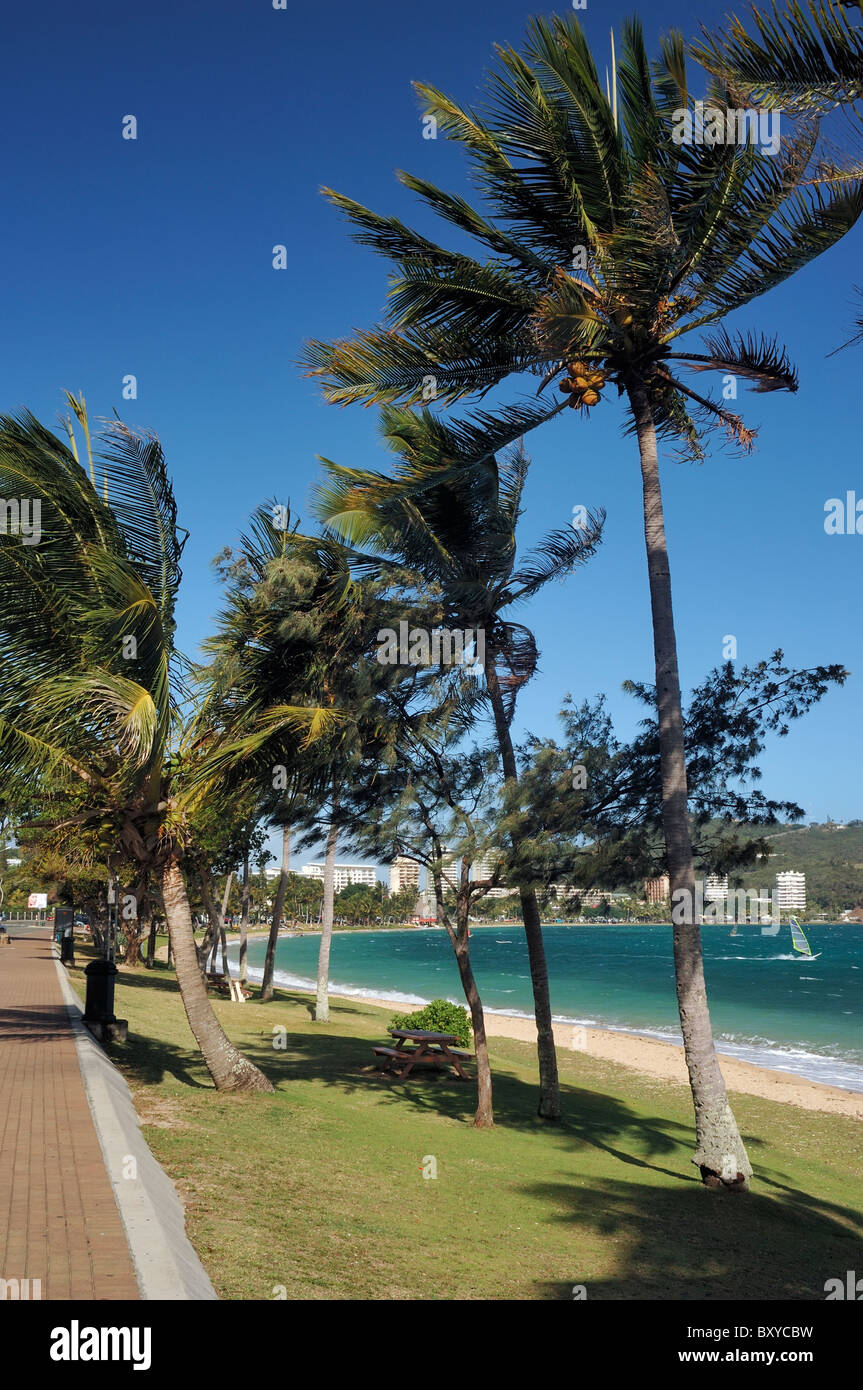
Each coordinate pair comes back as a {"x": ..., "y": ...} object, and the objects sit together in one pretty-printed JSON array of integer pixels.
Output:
[{"x": 58, "y": 1218}]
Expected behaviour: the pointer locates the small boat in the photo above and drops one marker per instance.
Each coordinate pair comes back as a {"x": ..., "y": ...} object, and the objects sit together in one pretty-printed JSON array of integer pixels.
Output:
[{"x": 799, "y": 942}]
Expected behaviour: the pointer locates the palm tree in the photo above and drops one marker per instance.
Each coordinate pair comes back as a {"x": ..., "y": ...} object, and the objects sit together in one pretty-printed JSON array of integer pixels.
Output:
[
  {"x": 322, "y": 996},
  {"x": 803, "y": 60},
  {"x": 89, "y": 682},
  {"x": 278, "y": 908},
  {"x": 292, "y": 657},
  {"x": 456, "y": 528},
  {"x": 606, "y": 242}
]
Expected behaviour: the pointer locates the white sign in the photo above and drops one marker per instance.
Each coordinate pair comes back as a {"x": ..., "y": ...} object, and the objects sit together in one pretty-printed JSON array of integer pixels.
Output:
[{"x": 37, "y": 900}]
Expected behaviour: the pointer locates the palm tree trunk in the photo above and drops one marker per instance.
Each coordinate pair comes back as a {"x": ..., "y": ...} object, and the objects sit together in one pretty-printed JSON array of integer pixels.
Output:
[
  {"x": 151, "y": 944},
  {"x": 219, "y": 933},
  {"x": 230, "y": 1070},
  {"x": 322, "y": 1004},
  {"x": 273, "y": 938},
  {"x": 549, "y": 1085},
  {"x": 209, "y": 945},
  {"x": 720, "y": 1153},
  {"x": 244, "y": 919}
]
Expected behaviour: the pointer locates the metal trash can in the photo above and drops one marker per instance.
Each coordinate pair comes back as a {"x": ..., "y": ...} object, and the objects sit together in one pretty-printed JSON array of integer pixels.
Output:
[
  {"x": 64, "y": 932},
  {"x": 99, "y": 1003}
]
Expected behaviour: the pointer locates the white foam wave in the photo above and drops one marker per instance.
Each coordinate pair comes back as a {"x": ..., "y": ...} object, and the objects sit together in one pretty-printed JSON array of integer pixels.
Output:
[{"x": 832, "y": 1067}]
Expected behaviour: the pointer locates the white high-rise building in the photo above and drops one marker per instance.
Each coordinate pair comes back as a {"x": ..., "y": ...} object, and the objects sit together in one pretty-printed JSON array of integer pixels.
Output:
[
  {"x": 790, "y": 891},
  {"x": 715, "y": 888},
  {"x": 404, "y": 873},
  {"x": 485, "y": 866},
  {"x": 344, "y": 874},
  {"x": 450, "y": 871}
]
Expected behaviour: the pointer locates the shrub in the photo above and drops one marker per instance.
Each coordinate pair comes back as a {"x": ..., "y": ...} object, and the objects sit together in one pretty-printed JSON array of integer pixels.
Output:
[{"x": 440, "y": 1016}]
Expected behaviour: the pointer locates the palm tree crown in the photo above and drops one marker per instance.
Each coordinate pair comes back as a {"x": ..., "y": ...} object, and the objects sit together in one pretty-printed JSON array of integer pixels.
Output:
[
  {"x": 606, "y": 243},
  {"x": 452, "y": 523}
]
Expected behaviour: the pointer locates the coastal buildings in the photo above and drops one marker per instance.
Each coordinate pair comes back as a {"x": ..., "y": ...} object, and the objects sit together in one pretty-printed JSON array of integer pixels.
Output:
[
  {"x": 790, "y": 891},
  {"x": 404, "y": 873},
  {"x": 450, "y": 870},
  {"x": 484, "y": 868},
  {"x": 426, "y": 906},
  {"x": 656, "y": 890},
  {"x": 344, "y": 874},
  {"x": 715, "y": 888},
  {"x": 564, "y": 893}
]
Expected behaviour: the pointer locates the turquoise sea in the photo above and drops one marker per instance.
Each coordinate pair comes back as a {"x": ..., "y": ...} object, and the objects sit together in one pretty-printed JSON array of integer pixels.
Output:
[{"x": 768, "y": 1005}]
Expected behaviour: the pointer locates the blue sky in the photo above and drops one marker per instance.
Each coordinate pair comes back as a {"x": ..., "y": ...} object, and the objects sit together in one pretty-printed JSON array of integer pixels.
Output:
[{"x": 154, "y": 257}]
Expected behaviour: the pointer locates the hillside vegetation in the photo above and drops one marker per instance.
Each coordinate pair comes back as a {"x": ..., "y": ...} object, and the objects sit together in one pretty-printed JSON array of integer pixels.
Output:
[{"x": 831, "y": 859}]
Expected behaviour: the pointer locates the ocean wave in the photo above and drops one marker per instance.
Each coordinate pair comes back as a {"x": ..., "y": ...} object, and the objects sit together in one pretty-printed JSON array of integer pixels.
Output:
[
  {"x": 759, "y": 959},
  {"x": 832, "y": 1067}
]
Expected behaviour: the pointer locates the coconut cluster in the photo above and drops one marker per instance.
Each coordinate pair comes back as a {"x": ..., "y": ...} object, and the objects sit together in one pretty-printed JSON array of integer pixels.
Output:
[{"x": 582, "y": 384}]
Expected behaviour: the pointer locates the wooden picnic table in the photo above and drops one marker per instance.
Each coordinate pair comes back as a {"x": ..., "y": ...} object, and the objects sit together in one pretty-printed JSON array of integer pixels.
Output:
[{"x": 415, "y": 1045}]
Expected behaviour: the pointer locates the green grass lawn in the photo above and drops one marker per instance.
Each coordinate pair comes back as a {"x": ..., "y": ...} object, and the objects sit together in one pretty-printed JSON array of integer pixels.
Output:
[{"x": 319, "y": 1191}]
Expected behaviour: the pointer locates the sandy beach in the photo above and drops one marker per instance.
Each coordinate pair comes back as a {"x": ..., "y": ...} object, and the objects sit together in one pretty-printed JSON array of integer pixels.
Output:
[
  {"x": 654, "y": 1057},
  {"x": 666, "y": 1061}
]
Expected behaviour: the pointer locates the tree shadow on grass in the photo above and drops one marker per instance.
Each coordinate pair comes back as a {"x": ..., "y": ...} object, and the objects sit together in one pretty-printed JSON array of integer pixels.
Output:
[
  {"x": 691, "y": 1243},
  {"x": 590, "y": 1118},
  {"x": 344, "y": 1061},
  {"x": 148, "y": 1062},
  {"x": 151, "y": 979},
  {"x": 679, "y": 1242}
]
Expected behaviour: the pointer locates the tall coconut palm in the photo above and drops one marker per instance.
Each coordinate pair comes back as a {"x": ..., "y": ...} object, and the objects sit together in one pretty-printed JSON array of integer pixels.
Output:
[
  {"x": 89, "y": 671},
  {"x": 322, "y": 994},
  {"x": 454, "y": 524},
  {"x": 604, "y": 242}
]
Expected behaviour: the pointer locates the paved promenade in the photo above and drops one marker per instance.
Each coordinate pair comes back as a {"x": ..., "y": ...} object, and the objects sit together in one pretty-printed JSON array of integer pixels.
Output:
[{"x": 59, "y": 1222}]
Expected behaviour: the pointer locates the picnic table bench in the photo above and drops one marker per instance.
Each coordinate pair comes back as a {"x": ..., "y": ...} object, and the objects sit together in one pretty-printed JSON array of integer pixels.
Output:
[
  {"x": 230, "y": 987},
  {"x": 416, "y": 1047}
]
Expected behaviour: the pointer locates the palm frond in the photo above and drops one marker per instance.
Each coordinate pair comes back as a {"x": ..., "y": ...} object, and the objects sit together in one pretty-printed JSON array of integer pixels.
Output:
[
  {"x": 800, "y": 58},
  {"x": 557, "y": 555},
  {"x": 752, "y": 356}
]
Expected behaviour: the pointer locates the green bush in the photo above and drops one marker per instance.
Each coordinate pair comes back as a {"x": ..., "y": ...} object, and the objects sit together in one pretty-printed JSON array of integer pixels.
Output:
[{"x": 440, "y": 1016}]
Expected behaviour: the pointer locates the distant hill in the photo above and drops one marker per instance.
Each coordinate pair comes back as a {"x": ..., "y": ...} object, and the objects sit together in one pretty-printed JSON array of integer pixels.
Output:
[{"x": 831, "y": 858}]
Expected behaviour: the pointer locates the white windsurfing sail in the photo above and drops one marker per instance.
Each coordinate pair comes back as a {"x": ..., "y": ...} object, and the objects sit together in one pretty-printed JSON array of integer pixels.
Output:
[{"x": 798, "y": 940}]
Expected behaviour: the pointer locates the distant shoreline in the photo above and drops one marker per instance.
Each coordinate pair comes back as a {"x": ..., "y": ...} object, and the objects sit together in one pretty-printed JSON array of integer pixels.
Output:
[{"x": 232, "y": 933}]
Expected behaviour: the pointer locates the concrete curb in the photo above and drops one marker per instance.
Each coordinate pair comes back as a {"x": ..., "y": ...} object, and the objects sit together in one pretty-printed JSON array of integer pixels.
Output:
[{"x": 166, "y": 1266}]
